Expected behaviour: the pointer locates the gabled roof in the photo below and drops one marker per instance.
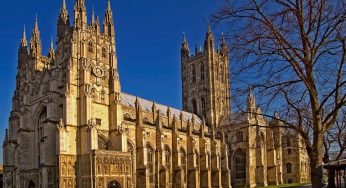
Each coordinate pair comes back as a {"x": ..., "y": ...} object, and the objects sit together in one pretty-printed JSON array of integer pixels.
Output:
[{"x": 129, "y": 100}]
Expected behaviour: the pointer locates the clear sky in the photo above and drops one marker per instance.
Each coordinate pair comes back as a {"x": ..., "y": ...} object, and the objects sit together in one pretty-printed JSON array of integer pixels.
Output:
[{"x": 149, "y": 34}]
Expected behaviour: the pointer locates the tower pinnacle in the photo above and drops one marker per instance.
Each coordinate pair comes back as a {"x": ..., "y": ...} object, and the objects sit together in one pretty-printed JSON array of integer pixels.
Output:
[
  {"x": 109, "y": 8},
  {"x": 251, "y": 101},
  {"x": 185, "y": 51},
  {"x": 24, "y": 42},
  {"x": 63, "y": 12},
  {"x": 108, "y": 25},
  {"x": 35, "y": 41},
  {"x": 209, "y": 40}
]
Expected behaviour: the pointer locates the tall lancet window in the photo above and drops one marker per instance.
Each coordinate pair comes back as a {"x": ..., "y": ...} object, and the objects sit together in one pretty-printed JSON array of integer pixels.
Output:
[
  {"x": 150, "y": 163},
  {"x": 168, "y": 162},
  {"x": 40, "y": 131},
  {"x": 193, "y": 74},
  {"x": 202, "y": 71},
  {"x": 183, "y": 162},
  {"x": 194, "y": 106},
  {"x": 240, "y": 164}
]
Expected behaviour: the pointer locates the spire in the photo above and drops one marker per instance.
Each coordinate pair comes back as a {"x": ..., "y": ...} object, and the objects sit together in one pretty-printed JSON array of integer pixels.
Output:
[
  {"x": 251, "y": 101},
  {"x": 63, "y": 7},
  {"x": 64, "y": 21},
  {"x": 35, "y": 41},
  {"x": 51, "y": 43},
  {"x": 24, "y": 42},
  {"x": 109, "y": 8},
  {"x": 93, "y": 17},
  {"x": 36, "y": 23},
  {"x": 224, "y": 44},
  {"x": 51, "y": 52},
  {"x": 209, "y": 40},
  {"x": 80, "y": 17},
  {"x": 108, "y": 25},
  {"x": 63, "y": 12},
  {"x": 185, "y": 51}
]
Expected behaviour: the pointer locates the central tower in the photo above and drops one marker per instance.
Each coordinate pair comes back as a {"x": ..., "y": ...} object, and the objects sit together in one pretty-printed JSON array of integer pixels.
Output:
[{"x": 205, "y": 80}]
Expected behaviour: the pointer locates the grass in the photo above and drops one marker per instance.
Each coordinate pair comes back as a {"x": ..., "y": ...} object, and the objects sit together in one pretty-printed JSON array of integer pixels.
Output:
[{"x": 285, "y": 185}]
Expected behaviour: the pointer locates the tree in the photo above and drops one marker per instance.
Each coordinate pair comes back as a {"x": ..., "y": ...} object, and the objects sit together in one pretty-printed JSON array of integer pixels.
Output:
[{"x": 293, "y": 53}]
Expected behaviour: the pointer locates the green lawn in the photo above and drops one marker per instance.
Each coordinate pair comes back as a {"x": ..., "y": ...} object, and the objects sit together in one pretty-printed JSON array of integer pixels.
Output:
[{"x": 285, "y": 185}]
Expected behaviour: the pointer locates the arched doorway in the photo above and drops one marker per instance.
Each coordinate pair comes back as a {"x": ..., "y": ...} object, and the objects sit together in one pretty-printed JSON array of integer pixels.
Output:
[
  {"x": 31, "y": 184},
  {"x": 114, "y": 184}
]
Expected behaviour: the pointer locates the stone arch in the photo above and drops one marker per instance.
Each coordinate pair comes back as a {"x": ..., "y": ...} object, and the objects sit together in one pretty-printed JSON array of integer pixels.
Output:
[{"x": 31, "y": 184}]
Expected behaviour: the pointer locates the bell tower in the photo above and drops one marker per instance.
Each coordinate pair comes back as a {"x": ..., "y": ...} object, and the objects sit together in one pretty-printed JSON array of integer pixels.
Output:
[{"x": 206, "y": 80}]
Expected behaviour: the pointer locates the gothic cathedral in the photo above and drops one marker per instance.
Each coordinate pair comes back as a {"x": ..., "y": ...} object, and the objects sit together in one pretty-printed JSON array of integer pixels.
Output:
[{"x": 71, "y": 126}]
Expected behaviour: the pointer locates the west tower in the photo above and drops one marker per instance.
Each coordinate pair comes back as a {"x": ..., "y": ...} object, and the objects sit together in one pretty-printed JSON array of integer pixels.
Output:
[{"x": 205, "y": 80}]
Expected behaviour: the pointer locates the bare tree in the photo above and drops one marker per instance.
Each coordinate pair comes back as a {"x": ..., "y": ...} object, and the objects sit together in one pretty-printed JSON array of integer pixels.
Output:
[
  {"x": 335, "y": 140},
  {"x": 293, "y": 53}
]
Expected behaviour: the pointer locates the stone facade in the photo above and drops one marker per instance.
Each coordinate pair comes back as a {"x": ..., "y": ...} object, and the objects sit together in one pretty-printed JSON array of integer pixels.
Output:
[
  {"x": 72, "y": 126},
  {"x": 262, "y": 152}
]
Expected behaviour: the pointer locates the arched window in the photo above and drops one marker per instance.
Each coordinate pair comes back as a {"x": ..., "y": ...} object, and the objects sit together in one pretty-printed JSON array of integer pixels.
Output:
[
  {"x": 104, "y": 53},
  {"x": 183, "y": 161},
  {"x": 240, "y": 136},
  {"x": 168, "y": 162},
  {"x": 203, "y": 106},
  {"x": 194, "y": 106},
  {"x": 150, "y": 163},
  {"x": 202, "y": 71},
  {"x": 90, "y": 47},
  {"x": 288, "y": 168},
  {"x": 41, "y": 120},
  {"x": 193, "y": 73},
  {"x": 240, "y": 164},
  {"x": 131, "y": 150},
  {"x": 31, "y": 184}
]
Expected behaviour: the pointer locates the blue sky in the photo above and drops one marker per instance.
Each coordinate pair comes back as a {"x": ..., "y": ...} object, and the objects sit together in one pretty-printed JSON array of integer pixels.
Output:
[{"x": 149, "y": 34}]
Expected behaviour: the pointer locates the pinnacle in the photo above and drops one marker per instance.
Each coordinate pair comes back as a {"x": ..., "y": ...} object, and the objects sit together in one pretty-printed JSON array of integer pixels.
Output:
[
  {"x": 184, "y": 37},
  {"x": 24, "y": 41},
  {"x": 36, "y": 23},
  {"x": 63, "y": 5},
  {"x": 109, "y": 8}
]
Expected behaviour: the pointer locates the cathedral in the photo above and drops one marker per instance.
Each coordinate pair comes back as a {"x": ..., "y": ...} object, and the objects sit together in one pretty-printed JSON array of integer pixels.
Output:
[{"x": 71, "y": 126}]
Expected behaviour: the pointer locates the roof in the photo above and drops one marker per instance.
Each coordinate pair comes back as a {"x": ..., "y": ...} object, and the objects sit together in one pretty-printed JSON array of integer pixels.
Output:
[
  {"x": 234, "y": 118},
  {"x": 130, "y": 100}
]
